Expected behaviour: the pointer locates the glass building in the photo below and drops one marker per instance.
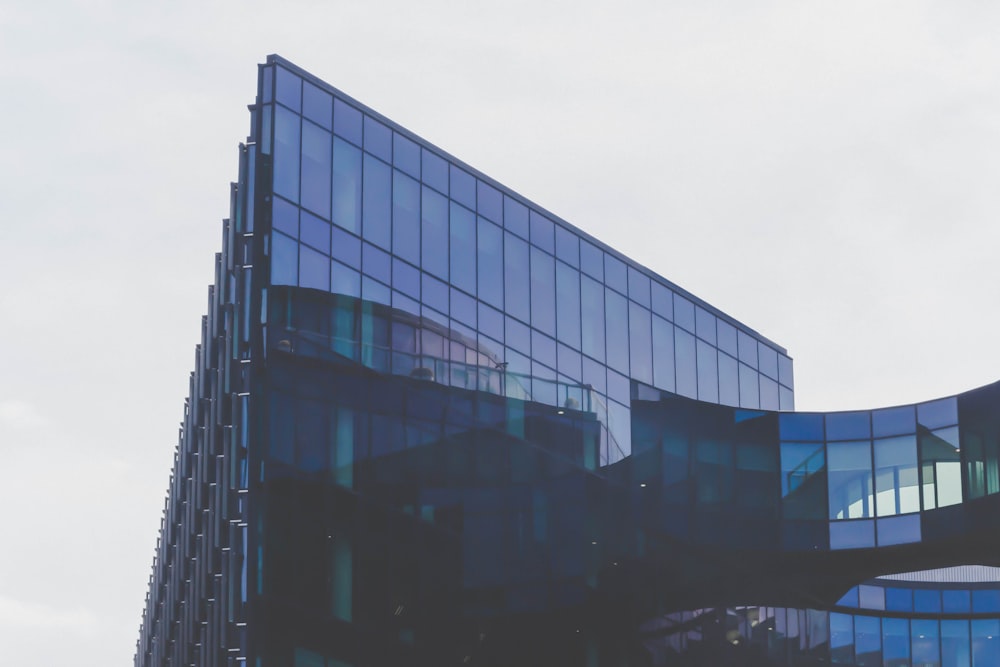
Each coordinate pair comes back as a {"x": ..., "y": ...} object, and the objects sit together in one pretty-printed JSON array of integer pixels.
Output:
[{"x": 433, "y": 424}]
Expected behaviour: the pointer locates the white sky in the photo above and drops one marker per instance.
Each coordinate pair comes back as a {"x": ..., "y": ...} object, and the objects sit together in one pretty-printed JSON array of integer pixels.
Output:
[{"x": 825, "y": 172}]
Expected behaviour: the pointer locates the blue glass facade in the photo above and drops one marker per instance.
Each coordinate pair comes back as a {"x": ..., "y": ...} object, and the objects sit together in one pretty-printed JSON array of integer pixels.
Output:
[{"x": 432, "y": 423}]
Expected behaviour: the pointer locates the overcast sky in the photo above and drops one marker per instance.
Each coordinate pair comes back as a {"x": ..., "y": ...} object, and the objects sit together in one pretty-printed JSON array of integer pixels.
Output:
[{"x": 826, "y": 173}]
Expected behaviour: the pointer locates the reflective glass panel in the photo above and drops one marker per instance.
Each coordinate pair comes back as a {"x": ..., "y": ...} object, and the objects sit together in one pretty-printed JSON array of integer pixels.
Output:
[
  {"x": 346, "y": 186},
  {"x": 406, "y": 217},
  {"x": 850, "y": 480}
]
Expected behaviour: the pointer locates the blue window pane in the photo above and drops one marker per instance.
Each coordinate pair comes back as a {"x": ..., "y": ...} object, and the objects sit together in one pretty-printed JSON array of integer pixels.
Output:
[
  {"x": 895, "y": 641},
  {"x": 542, "y": 232},
  {"x": 314, "y": 269},
  {"x": 489, "y": 264},
  {"x": 315, "y": 232},
  {"x": 569, "y": 362},
  {"x": 803, "y": 471},
  {"x": 747, "y": 346},
  {"x": 286, "y": 153},
  {"x": 849, "y": 599},
  {"x": 663, "y": 354},
  {"x": 435, "y": 293},
  {"x": 893, "y": 421},
  {"x": 344, "y": 280},
  {"x": 377, "y": 210},
  {"x": 663, "y": 301},
  {"x": 543, "y": 292},
  {"x": 638, "y": 287},
  {"x": 729, "y": 380},
  {"x": 568, "y": 246},
  {"x": 868, "y": 641},
  {"x": 985, "y": 642},
  {"x": 785, "y": 371},
  {"x": 284, "y": 260},
  {"x": 842, "y": 639},
  {"x": 517, "y": 281},
  {"x": 543, "y": 348},
  {"x": 595, "y": 374},
  {"x": 463, "y": 186},
  {"x": 786, "y": 400},
  {"x": 346, "y": 248},
  {"x": 317, "y": 105},
  {"x": 852, "y": 534},
  {"x": 705, "y": 325},
  {"x": 346, "y": 186},
  {"x": 850, "y": 479},
  {"x": 376, "y": 263},
  {"x": 285, "y": 217},
  {"x": 897, "y": 488},
  {"x": 568, "y": 305},
  {"x": 515, "y": 217},
  {"x": 267, "y": 84},
  {"x": 847, "y": 426},
  {"x": 405, "y": 217},
  {"x": 685, "y": 363},
  {"x": 591, "y": 260},
  {"x": 463, "y": 308},
  {"x": 926, "y": 601},
  {"x": 956, "y": 602},
  {"x": 749, "y": 388},
  {"x": 640, "y": 335},
  {"x": 288, "y": 89},
  {"x": 925, "y": 642},
  {"x": 616, "y": 328},
  {"x": 871, "y": 597},
  {"x": 801, "y": 426},
  {"x": 316, "y": 169},
  {"x": 405, "y": 155},
  {"x": 518, "y": 336},
  {"x": 938, "y": 413},
  {"x": 619, "y": 388},
  {"x": 769, "y": 394},
  {"x": 726, "y": 337},
  {"x": 347, "y": 122},
  {"x": 986, "y": 601},
  {"x": 592, "y": 311},
  {"x": 899, "y": 530},
  {"x": 615, "y": 274},
  {"x": 708, "y": 373},
  {"x": 406, "y": 278},
  {"x": 898, "y": 599},
  {"x": 378, "y": 139},
  {"x": 955, "y": 645},
  {"x": 373, "y": 290},
  {"x": 434, "y": 233},
  {"x": 491, "y": 322},
  {"x": 434, "y": 171},
  {"x": 620, "y": 440},
  {"x": 489, "y": 202},
  {"x": 463, "y": 248},
  {"x": 767, "y": 359},
  {"x": 684, "y": 313}
]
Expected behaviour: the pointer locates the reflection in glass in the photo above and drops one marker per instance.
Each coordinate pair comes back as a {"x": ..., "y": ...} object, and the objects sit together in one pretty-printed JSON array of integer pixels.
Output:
[
  {"x": 940, "y": 467},
  {"x": 896, "y": 486},
  {"x": 955, "y": 649},
  {"x": 850, "y": 479},
  {"x": 925, "y": 642},
  {"x": 803, "y": 480}
]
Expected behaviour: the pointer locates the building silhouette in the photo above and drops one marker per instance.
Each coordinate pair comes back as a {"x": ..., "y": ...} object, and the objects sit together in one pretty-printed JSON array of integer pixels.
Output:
[{"x": 432, "y": 424}]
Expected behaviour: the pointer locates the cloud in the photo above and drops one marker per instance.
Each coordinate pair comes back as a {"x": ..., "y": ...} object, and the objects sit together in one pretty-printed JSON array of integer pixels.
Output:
[
  {"x": 19, "y": 615},
  {"x": 19, "y": 415}
]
